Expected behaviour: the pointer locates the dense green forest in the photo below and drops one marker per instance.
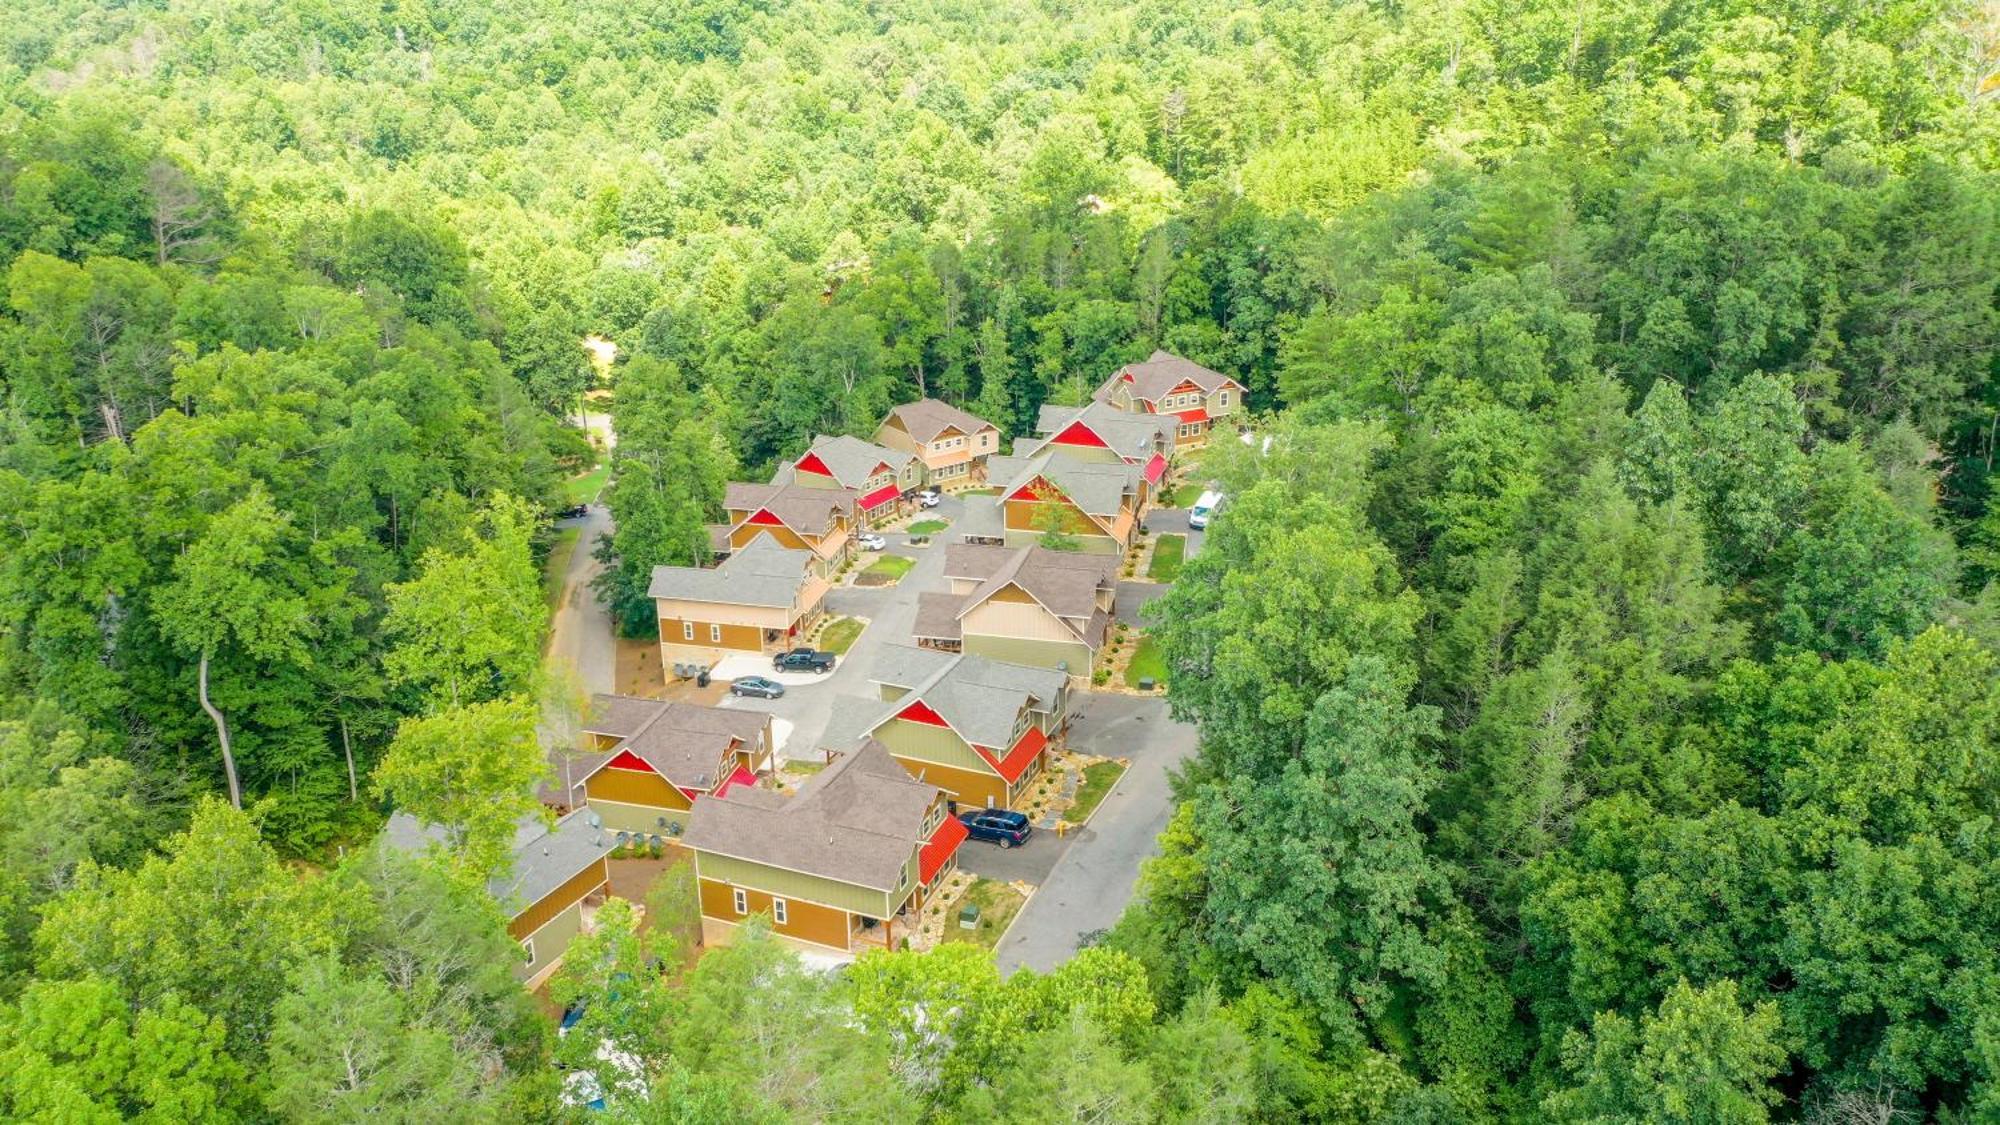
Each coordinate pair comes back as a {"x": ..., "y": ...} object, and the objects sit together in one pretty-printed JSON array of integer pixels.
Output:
[{"x": 1597, "y": 672}]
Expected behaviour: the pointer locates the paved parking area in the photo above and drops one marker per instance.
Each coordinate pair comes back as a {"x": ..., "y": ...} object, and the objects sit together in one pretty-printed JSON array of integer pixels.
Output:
[
  {"x": 1095, "y": 871},
  {"x": 891, "y": 612},
  {"x": 1084, "y": 880}
]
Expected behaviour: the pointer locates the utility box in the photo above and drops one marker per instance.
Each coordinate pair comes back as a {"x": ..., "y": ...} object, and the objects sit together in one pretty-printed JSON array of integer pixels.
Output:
[{"x": 968, "y": 919}]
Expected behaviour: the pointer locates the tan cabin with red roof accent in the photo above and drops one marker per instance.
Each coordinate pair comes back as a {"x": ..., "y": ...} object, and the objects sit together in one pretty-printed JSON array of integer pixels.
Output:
[
  {"x": 951, "y": 445},
  {"x": 880, "y": 478},
  {"x": 842, "y": 866},
  {"x": 979, "y": 729},
  {"x": 642, "y": 762},
  {"x": 792, "y": 515},
  {"x": 1167, "y": 384}
]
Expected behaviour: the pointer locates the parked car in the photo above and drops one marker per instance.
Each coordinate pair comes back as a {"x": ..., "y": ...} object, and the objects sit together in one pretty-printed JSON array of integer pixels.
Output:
[
  {"x": 870, "y": 541},
  {"x": 757, "y": 686},
  {"x": 803, "y": 660},
  {"x": 999, "y": 826},
  {"x": 574, "y": 512},
  {"x": 928, "y": 498}
]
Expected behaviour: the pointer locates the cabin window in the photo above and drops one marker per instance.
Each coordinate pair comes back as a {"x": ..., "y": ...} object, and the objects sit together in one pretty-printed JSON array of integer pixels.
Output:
[
  {"x": 778, "y": 911},
  {"x": 715, "y": 634},
  {"x": 687, "y": 630},
  {"x": 527, "y": 951},
  {"x": 1223, "y": 399},
  {"x": 742, "y": 901}
]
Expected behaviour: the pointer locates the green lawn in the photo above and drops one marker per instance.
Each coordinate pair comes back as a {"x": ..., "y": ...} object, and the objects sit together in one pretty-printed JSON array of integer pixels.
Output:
[
  {"x": 839, "y": 635},
  {"x": 584, "y": 489},
  {"x": 997, "y": 902},
  {"x": 1168, "y": 554},
  {"x": 558, "y": 565},
  {"x": 1097, "y": 781},
  {"x": 927, "y": 527},
  {"x": 1184, "y": 494},
  {"x": 1147, "y": 660},
  {"x": 886, "y": 570}
]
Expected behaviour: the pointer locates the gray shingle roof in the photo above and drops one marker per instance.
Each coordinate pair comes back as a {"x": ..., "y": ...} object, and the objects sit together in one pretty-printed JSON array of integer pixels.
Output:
[
  {"x": 859, "y": 821},
  {"x": 761, "y": 573},
  {"x": 980, "y": 698},
  {"x": 1097, "y": 487},
  {"x": 1128, "y": 434},
  {"x": 853, "y": 461},
  {"x": 926, "y": 418},
  {"x": 1161, "y": 373},
  {"x": 543, "y": 858},
  {"x": 981, "y": 518}
]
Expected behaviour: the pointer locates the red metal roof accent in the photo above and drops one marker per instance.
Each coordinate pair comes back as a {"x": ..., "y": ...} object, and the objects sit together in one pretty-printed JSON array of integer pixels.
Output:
[
  {"x": 1155, "y": 469},
  {"x": 1076, "y": 433},
  {"x": 939, "y": 848},
  {"x": 811, "y": 463},
  {"x": 879, "y": 497},
  {"x": 1195, "y": 415},
  {"x": 1016, "y": 762},
  {"x": 919, "y": 712},
  {"x": 763, "y": 516},
  {"x": 627, "y": 760},
  {"x": 742, "y": 776}
]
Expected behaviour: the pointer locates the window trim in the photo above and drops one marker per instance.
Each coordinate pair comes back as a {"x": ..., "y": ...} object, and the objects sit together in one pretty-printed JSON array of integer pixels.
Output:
[
  {"x": 715, "y": 634},
  {"x": 778, "y": 912},
  {"x": 740, "y": 899},
  {"x": 687, "y": 630},
  {"x": 528, "y": 947}
]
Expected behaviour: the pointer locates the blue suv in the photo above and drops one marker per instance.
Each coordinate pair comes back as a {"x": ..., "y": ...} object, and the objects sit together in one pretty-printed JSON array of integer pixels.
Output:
[{"x": 999, "y": 826}]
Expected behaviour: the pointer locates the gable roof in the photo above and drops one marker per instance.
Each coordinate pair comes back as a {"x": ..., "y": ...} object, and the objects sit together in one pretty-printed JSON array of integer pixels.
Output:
[
  {"x": 981, "y": 518},
  {"x": 808, "y": 511},
  {"x": 544, "y": 857},
  {"x": 1098, "y": 488},
  {"x": 926, "y": 418},
  {"x": 1064, "y": 582},
  {"x": 682, "y": 742},
  {"x": 1125, "y": 433},
  {"x": 849, "y": 460},
  {"x": 977, "y": 697},
  {"x": 760, "y": 573},
  {"x": 859, "y": 821},
  {"x": 1160, "y": 374}
]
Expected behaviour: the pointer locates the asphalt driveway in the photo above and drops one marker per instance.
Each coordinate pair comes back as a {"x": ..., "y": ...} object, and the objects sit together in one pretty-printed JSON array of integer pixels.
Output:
[
  {"x": 892, "y": 615},
  {"x": 1094, "y": 872}
]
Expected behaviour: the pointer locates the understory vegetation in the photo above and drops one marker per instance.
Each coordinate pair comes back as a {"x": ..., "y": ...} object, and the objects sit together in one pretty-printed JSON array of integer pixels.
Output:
[{"x": 1595, "y": 672}]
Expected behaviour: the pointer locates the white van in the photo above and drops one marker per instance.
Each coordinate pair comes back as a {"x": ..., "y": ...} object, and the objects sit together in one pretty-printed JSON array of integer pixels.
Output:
[{"x": 1204, "y": 507}]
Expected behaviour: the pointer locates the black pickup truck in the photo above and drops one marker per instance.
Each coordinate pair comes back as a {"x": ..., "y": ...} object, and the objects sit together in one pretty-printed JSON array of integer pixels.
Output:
[{"x": 803, "y": 660}]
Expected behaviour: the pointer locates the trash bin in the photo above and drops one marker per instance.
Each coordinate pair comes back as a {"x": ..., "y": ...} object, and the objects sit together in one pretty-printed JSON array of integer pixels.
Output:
[{"x": 701, "y": 678}]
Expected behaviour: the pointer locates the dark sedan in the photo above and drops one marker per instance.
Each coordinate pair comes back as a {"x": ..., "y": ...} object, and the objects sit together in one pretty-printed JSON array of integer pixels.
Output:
[
  {"x": 999, "y": 826},
  {"x": 757, "y": 686}
]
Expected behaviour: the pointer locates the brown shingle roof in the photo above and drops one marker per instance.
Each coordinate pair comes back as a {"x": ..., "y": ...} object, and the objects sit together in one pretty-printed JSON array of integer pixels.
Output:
[
  {"x": 926, "y": 418},
  {"x": 683, "y": 742},
  {"x": 1065, "y": 581},
  {"x": 937, "y": 616},
  {"x": 859, "y": 821},
  {"x": 806, "y": 510},
  {"x": 1161, "y": 373}
]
